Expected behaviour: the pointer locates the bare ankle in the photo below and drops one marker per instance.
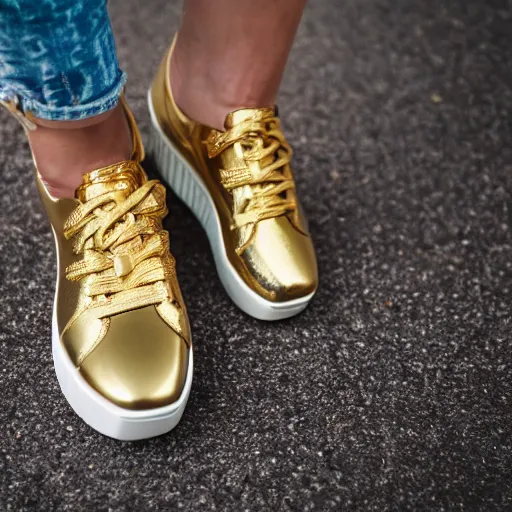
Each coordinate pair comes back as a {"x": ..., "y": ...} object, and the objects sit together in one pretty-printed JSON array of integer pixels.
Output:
[
  {"x": 207, "y": 95},
  {"x": 65, "y": 151}
]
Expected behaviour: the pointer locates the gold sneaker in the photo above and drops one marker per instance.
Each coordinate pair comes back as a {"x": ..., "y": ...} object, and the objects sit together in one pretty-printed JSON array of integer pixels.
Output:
[
  {"x": 121, "y": 338},
  {"x": 240, "y": 186}
]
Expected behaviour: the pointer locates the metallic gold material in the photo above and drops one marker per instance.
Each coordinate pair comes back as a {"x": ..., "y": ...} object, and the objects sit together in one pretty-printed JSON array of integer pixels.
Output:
[
  {"x": 247, "y": 172},
  {"x": 25, "y": 118},
  {"x": 119, "y": 310}
]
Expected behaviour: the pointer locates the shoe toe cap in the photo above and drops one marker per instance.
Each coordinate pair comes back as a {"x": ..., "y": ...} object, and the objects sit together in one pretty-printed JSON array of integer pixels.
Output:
[
  {"x": 141, "y": 363},
  {"x": 281, "y": 261}
]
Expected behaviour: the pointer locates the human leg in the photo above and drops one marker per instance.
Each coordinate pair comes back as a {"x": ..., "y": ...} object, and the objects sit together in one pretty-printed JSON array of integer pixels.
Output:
[
  {"x": 120, "y": 335},
  {"x": 231, "y": 54},
  {"x": 58, "y": 66}
]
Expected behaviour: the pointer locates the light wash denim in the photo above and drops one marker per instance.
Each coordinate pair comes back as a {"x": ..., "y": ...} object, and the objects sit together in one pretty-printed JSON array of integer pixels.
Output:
[{"x": 58, "y": 58}]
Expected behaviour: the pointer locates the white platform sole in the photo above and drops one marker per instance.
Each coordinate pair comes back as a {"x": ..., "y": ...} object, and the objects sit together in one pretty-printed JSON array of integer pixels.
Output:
[
  {"x": 106, "y": 417},
  {"x": 189, "y": 187}
]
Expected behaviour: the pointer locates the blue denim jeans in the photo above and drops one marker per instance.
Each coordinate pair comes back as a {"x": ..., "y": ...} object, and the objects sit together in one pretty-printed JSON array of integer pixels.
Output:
[{"x": 58, "y": 58}]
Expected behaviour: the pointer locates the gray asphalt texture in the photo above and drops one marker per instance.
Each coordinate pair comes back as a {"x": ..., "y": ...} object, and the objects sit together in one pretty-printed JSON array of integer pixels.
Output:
[{"x": 393, "y": 390}]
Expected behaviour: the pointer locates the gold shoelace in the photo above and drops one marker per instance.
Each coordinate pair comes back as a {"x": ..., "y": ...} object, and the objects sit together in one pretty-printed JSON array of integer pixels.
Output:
[
  {"x": 262, "y": 139},
  {"x": 123, "y": 245}
]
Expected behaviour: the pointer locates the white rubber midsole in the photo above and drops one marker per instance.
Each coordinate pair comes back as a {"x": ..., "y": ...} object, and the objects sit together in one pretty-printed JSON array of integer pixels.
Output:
[
  {"x": 189, "y": 187},
  {"x": 106, "y": 417}
]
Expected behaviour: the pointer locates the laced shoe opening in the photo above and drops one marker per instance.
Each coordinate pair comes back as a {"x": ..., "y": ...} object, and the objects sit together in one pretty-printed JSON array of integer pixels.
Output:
[
  {"x": 264, "y": 144},
  {"x": 123, "y": 245}
]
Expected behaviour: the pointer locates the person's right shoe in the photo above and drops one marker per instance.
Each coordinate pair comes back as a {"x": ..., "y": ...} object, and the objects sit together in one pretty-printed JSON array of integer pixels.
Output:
[
  {"x": 240, "y": 186},
  {"x": 121, "y": 339}
]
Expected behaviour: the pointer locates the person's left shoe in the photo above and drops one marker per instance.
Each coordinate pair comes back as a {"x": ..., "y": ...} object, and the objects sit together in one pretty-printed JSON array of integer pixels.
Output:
[{"x": 240, "y": 185}]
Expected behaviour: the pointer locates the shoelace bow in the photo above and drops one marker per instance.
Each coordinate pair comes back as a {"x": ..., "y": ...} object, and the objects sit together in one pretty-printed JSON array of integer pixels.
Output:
[
  {"x": 121, "y": 239},
  {"x": 261, "y": 139}
]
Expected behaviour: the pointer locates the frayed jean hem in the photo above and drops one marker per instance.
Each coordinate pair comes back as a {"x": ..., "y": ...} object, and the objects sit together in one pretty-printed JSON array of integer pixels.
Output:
[{"x": 67, "y": 113}]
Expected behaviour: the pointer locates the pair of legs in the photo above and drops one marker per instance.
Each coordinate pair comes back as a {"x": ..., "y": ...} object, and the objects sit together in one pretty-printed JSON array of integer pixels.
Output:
[
  {"x": 121, "y": 338},
  {"x": 229, "y": 54}
]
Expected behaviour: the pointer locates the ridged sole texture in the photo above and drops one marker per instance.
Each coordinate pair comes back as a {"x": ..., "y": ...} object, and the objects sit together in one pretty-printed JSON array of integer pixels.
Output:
[{"x": 190, "y": 188}]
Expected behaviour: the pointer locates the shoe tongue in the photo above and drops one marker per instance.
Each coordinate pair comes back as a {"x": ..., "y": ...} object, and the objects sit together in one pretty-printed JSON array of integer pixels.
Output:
[
  {"x": 123, "y": 177},
  {"x": 247, "y": 114}
]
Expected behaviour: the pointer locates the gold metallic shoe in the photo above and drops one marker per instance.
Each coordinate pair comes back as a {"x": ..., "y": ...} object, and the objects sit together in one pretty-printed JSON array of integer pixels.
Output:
[
  {"x": 121, "y": 339},
  {"x": 240, "y": 186}
]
